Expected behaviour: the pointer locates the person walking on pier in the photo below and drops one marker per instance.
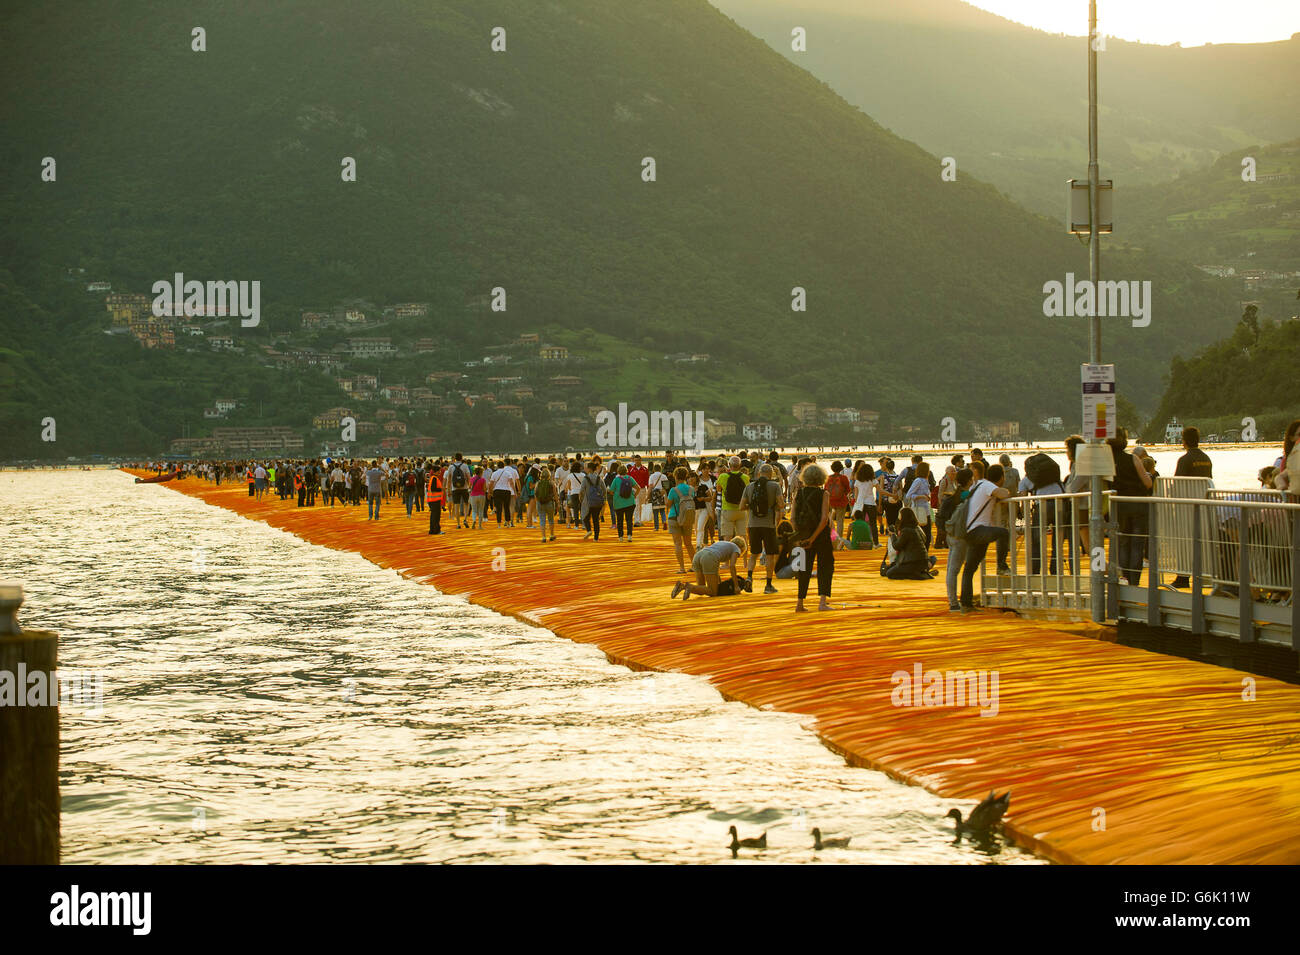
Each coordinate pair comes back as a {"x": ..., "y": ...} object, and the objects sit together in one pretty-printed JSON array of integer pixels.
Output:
[
  {"x": 374, "y": 490},
  {"x": 623, "y": 491},
  {"x": 731, "y": 489},
  {"x": 680, "y": 517},
  {"x": 762, "y": 502},
  {"x": 505, "y": 485},
  {"x": 545, "y": 493},
  {"x": 812, "y": 515},
  {"x": 477, "y": 499},
  {"x": 593, "y": 499},
  {"x": 337, "y": 485}
]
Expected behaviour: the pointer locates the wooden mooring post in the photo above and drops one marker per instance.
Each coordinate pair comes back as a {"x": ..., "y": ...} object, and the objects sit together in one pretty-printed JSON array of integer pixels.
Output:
[{"x": 29, "y": 739}]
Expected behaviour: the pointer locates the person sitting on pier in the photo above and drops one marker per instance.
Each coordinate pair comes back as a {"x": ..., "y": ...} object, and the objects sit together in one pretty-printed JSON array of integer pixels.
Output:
[{"x": 911, "y": 561}]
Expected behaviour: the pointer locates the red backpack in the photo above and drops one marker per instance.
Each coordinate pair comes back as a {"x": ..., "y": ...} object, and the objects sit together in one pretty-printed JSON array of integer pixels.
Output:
[{"x": 837, "y": 486}]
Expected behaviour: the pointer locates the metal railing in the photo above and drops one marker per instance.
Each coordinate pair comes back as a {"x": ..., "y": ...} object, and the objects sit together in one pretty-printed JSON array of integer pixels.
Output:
[
  {"x": 1046, "y": 557},
  {"x": 1219, "y": 562}
]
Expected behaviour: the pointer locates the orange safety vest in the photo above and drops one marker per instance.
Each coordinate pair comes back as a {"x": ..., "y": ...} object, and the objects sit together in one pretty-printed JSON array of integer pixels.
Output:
[
  {"x": 435, "y": 489},
  {"x": 297, "y": 481}
]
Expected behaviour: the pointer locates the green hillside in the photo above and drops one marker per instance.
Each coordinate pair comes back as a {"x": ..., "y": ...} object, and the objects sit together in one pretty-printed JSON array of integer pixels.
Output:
[
  {"x": 1010, "y": 102},
  {"x": 1214, "y": 218},
  {"x": 520, "y": 170},
  {"x": 1251, "y": 372}
]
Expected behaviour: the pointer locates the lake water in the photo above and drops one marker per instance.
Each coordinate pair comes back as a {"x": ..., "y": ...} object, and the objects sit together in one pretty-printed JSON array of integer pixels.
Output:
[{"x": 269, "y": 700}]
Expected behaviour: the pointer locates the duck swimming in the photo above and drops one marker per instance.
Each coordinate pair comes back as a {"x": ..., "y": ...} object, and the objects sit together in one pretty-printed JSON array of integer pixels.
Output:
[
  {"x": 984, "y": 817},
  {"x": 839, "y": 842},
  {"x": 738, "y": 843}
]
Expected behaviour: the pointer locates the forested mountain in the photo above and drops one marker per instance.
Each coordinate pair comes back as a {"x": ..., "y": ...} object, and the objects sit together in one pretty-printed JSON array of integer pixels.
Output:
[
  {"x": 1010, "y": 102},
  {"x": 1250, "y": 373},
  {"x": 523, "y": 170}
]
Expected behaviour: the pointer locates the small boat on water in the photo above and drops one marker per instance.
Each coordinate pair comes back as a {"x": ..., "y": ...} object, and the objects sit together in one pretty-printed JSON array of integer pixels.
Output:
[{"x": 156, "y": 479}]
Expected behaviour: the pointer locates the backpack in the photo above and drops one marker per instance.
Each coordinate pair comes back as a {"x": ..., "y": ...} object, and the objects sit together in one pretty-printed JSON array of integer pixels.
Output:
[
  {"x": 685, "y": 510},
  {"x": 758, "y": 498},
  {"x": 807, "y": 514},
  {"x": 838, "y": 488},
  {"x": 735, "y": 488},
  {"x": 626, "y": 487},
  {"x": 657, "y": 496},
  {"x": 595, "y": 490},
  {"x": 410, "y": 479},
  {"x": 957, "y": 525},
  {"x": 458, "y": 475},
  {"x": 545, "y": 492},
  {"x": 1042, "y": 471}
]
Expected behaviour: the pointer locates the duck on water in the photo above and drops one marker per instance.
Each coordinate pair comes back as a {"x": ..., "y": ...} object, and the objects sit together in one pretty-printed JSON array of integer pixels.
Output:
[
  {"x": 985, "y": 817},
  {"x": 738, "y": 843}
]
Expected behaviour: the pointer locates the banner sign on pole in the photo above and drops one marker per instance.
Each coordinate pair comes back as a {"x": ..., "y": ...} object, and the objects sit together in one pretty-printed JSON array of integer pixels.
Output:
[{"x": 1098, "y": 401}]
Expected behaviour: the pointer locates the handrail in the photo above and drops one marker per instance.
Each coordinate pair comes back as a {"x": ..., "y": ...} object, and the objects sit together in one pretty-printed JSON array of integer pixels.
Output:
[{"x": 1207, "y": 502}]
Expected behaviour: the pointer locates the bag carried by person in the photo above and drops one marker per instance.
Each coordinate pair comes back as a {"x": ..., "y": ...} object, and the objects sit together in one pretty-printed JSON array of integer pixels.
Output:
[
  {"x": 1042, "y": 471},
  {"x": 545, "y": 491},
  {"x": 956, "y": 525},
  {"x": 685, "y": 516},
  {"x": 758, "y": 499},
  {"x": 626, "y": 486},
  {"x": 807, "y": 512},
  {"x": 458, "y": 476},
  {"x": 837, "y": 486},
  {"x": 656, "y": 497},
  {"x": 595, "y": 490},
  {"x": 735, "y": 488}
]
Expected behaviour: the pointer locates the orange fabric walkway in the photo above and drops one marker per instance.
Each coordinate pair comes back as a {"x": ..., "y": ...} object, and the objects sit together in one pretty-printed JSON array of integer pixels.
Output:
[{"x": 1183, "y": 768}]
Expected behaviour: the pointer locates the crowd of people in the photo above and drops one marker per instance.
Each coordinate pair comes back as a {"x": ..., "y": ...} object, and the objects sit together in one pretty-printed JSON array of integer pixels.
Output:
[{"x": 727, "y": 517}]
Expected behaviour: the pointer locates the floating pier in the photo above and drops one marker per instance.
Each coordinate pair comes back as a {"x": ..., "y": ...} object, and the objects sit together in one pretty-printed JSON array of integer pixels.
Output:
[{"x": 1113, "y": 754}]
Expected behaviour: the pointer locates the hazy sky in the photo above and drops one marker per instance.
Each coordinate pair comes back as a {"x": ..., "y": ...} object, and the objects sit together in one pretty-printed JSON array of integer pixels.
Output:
[{"x": 1189, "y": 22}]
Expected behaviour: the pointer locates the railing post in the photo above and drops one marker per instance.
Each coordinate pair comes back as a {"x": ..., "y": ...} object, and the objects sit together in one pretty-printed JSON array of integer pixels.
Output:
[
  {"x": 1112, "y": 570},
  {"x": 1245, "y": 605},
  {"x": 29, "y": 741},
  {"x": 1198, "y": 600},
  {"x": 1295, "y": 580},
  {"x": 1153, "y": 569}
]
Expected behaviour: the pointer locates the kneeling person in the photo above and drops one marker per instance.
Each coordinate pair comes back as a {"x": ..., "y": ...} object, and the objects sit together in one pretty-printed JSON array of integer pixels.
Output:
[{"x": 708, "y": 564}]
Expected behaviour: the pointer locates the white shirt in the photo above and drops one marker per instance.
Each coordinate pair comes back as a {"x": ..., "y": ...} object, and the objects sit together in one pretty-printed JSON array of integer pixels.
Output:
[
  {"x": 505, "y": 479},
  {"x": 979, "y": 504},
  {"x": 574, "y": 485},
  {"x": 865, "y": 494},
  {"x": 260, "y": 473},
  {"x": 657, "y": 479},
  {"x": 561, "y": 477}
]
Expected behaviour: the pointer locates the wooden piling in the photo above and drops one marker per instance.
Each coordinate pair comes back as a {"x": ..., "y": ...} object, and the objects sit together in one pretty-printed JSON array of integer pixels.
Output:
[{"x": 29, "y": 753}]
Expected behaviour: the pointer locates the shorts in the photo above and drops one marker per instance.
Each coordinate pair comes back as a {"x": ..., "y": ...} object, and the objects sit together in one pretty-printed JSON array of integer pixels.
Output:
[
  {"x": 459, "y": 495},
  {"x": 762, "y": 539},
  {"x": 705, "y": 563}
]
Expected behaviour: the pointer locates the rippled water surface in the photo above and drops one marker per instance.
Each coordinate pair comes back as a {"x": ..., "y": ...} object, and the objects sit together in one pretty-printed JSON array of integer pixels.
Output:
[{"x": 268, "y": 700}]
